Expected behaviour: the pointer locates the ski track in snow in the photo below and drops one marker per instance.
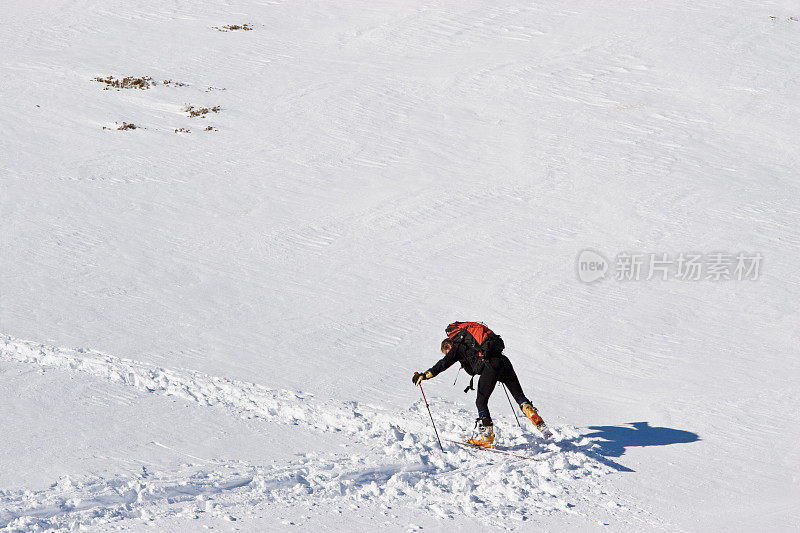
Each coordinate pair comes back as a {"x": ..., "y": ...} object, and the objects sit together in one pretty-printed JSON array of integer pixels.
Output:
[{"x": 402, "y": 468}]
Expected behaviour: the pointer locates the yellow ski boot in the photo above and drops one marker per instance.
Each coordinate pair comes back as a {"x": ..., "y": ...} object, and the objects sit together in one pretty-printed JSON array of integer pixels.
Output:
[
  {"x": 483, "y": 435},
  {"x": 531, "y": 412}
]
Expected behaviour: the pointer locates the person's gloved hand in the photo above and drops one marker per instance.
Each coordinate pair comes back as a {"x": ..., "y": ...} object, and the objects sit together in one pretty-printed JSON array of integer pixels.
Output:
[{"x": 417, "y": 379}]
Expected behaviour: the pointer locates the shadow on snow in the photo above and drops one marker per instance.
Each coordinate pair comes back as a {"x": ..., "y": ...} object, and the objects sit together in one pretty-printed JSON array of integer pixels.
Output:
[{"x": 616, "y": 439}]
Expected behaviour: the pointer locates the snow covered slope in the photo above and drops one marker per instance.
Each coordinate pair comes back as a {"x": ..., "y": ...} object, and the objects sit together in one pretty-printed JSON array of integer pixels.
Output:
[
  {"x": 252, "y": 274},
  {"x": 381, "y": 463}
]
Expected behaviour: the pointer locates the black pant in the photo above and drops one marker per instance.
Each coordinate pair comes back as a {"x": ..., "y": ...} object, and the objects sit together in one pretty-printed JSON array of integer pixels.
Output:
[{"x": 496, "y": 369}]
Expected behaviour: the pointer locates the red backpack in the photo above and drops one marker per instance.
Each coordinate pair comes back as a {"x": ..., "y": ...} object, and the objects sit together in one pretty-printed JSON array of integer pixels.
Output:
[{"x": 477, "y": 336}]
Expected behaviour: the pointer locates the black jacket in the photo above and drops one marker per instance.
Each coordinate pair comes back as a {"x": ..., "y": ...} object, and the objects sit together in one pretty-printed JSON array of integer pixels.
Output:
[{"x": 468, "y": 357}]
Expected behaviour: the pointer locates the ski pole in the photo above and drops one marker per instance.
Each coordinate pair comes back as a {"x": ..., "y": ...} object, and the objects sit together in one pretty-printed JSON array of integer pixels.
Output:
[
  {"x": 429, "y": 413},
  {"x": 512, "y": 406}
]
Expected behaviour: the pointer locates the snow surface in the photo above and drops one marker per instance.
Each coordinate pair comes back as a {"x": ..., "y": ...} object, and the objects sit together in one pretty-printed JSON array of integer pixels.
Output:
[{"x": 217, "y": 328}]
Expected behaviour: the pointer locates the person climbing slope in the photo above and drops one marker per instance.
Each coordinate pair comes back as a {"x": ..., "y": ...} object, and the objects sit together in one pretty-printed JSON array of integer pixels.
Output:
[{"x": 480, "y": 351}]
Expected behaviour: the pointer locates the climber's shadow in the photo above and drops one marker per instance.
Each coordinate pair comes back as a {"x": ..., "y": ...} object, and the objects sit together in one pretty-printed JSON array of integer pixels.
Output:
[{"x": 616, "y": 439}]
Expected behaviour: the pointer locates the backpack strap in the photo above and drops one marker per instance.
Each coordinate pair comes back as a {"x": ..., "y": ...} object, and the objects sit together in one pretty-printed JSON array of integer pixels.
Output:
[{"x": 470, "y": 387}]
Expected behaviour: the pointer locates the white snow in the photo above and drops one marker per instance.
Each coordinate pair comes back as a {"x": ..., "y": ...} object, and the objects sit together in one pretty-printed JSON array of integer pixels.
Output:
[
  {"x": 389, "y": 465},
  {"x": 217, "y": 328}
]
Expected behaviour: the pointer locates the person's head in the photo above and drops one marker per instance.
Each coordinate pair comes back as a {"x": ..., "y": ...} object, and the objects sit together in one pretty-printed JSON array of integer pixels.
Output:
[{"x": 446, "y": 345}]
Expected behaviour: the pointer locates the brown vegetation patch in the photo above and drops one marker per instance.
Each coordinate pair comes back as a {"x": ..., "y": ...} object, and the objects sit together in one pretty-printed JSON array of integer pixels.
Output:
[
  {"x": 123, "y": 126},
  {"x": 233, "y": 27},
  {"x": 128, "y": 82},
  {"x": 200, "y": 111},
  {"x": 134, "y": 82}
]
